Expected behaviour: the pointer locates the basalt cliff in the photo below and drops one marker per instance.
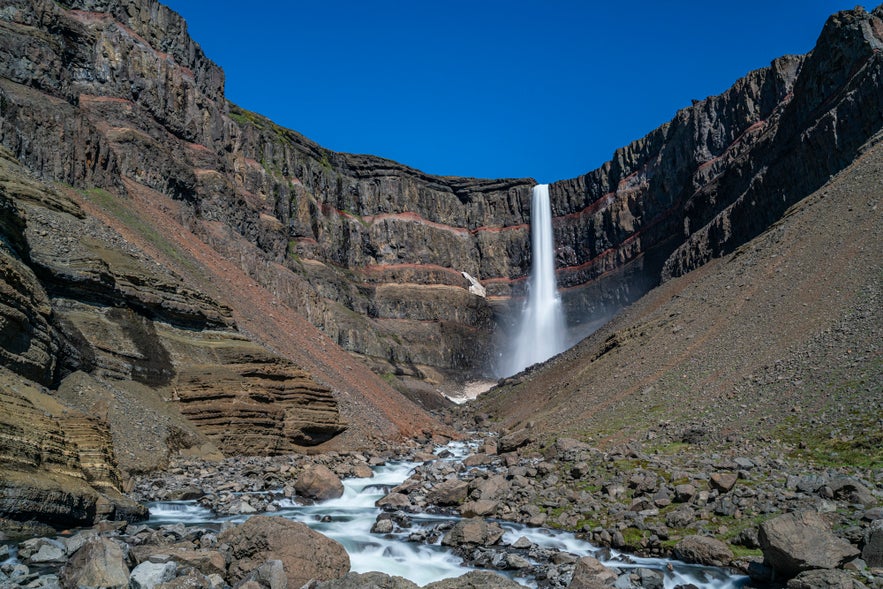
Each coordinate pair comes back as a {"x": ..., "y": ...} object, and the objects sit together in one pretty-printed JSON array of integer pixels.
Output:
[{"x": 183, "y": 275}]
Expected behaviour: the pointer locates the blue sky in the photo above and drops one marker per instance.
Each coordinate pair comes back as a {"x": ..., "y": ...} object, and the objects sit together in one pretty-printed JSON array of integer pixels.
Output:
[{"x": 490, "y": 88}]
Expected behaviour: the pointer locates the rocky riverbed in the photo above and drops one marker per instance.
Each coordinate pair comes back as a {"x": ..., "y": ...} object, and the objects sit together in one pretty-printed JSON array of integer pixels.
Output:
[{"x": 752, "y": 513}]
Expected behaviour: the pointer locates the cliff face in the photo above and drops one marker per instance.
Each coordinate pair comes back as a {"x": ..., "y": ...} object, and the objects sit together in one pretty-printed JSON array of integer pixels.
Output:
[{"x": 117, "y": 95}]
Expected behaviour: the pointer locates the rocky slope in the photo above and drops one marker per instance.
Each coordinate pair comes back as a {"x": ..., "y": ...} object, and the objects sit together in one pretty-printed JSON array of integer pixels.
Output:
[{"x": 776, "y": 342}]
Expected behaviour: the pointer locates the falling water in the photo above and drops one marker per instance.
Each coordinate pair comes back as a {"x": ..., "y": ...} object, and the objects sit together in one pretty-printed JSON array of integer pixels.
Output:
[{"x": 541, "y": 333}]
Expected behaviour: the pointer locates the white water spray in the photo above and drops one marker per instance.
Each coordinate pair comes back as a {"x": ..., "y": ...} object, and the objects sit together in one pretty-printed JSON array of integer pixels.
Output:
[{"x": 541, "y": 333}]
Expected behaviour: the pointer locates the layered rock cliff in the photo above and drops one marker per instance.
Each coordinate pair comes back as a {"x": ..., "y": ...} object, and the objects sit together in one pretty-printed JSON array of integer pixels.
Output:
[
  {"x": 117, "y": 95},
  {"x": 164, "y": 250}
]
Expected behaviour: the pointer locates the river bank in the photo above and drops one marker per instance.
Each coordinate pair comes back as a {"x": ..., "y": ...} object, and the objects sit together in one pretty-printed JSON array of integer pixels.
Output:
[{"x": 535, "y": 514}]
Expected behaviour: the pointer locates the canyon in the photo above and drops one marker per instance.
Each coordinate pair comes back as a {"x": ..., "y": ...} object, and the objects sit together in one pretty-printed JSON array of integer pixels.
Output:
[{"x": 182, "y": 276}]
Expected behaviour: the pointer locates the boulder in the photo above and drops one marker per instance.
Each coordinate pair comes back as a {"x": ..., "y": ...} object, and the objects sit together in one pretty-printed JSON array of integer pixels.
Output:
[
  {"x": 480, "y": 508},
  {"x": 703, "y": 550},
  {"x": 872, "y": 551},
  {"x": 305, "y": 554},
  {"x": 591, "y": 574},
  {"x": 449, "y": 492},
  {"x": 514, "y": 441},
  {"x": 475, "y": 580},
  {"x": 148, "y": 575},
  {"x": 796, "y": 542},
  {"x": 723, "y": 481},
  {"x": 373, "y": 580},
  {"x": 99, "y": 563},
  {"x": 316, "y": 481},
  {"x": 473, "y": 531},
  {"x": 824, "y": 579}
]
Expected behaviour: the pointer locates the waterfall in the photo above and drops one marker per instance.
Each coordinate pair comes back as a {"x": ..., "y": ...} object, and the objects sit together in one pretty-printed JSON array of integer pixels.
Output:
[{"x": 541, "y": 331}]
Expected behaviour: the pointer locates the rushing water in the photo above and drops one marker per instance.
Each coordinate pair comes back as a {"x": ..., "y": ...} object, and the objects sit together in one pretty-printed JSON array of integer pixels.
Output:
[
  {"x": 349, "y": 519},
  {"x": 541, "y": 332}
]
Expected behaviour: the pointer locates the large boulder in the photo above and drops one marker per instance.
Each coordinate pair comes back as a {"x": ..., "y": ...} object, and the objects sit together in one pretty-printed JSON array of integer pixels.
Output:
[
  {"x": 589, "y": 573},
  {"x": 99, "y": 563},
  {"x": 473, "y": 531},
  {"x": 316, "y": 481},
  {"x": 305, "y": 554},
  {"x": 797, "y": 542},
  {"x": 703, "y": 550}
]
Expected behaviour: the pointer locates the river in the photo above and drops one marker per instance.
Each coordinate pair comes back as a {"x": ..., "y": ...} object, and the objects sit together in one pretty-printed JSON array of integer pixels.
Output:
[{"x": 349, "y": 520}]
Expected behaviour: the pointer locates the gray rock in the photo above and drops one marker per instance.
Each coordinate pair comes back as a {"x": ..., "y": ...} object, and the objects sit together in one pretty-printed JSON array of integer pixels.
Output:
[
  {"x": 382, "y": 526},
  {"x": 372, "y": 580},
  {"x": 148, "y": 575},
  {"x": 796, "y": 542},
  {"x": 824, "y": 579},
  {"x": 475, "y": 580},
  {"x": 48, "y": 551},
  {"x": 872, "y": 551},
  {"x": 99, "y": 563},
  {"x": 270, "y": 574}
]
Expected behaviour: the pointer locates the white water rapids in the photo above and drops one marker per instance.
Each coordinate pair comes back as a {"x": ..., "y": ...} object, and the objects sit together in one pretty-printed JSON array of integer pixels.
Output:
[
  {"x": 349, "y": 519},
  {"x": 541, "y": 332}
]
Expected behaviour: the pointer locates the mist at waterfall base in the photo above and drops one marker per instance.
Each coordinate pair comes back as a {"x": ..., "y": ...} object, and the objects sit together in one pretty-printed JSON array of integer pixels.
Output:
[{"x": 541, "y": 332}]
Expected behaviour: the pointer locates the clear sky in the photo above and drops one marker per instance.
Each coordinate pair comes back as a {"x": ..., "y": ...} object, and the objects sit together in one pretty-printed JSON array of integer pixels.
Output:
[{"x": 490, "y": 88}]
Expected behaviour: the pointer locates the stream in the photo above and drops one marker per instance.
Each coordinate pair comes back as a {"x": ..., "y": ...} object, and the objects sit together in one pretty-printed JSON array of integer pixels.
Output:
[{"x": 349, "y": 519}]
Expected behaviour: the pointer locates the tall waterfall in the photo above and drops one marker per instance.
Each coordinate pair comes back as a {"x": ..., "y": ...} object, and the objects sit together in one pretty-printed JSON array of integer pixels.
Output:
[{"x": 541, "y": 333}]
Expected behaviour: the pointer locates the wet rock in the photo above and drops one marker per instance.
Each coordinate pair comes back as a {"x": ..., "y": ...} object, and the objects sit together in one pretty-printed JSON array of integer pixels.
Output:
[
  {"x": 473, "y": 531},
  {"x": 382, "y": 526},
  {"x": 99, "y": 563},
  {"x": 317, "y": 481},
  {"x": 591, "y": 574},
  {"x": 795, "y": 542},
  {"x": 703, "y": 550},
  {"x": 305, "y": 554}
]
